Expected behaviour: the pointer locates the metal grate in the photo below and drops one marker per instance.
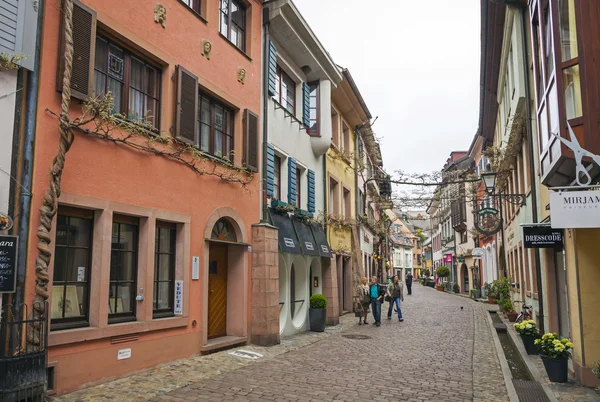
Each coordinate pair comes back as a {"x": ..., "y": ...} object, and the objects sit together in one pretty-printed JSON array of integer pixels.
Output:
[
  {"x": 124, "y": 338},
  {"x": 530, "y": 391},
  {"x": 356, "y": 336}
]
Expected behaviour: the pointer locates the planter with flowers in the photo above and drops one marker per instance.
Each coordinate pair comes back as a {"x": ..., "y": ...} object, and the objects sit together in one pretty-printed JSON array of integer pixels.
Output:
[
  {"x": 555, "y": 353},
  {"x": 529, "y": 333}
]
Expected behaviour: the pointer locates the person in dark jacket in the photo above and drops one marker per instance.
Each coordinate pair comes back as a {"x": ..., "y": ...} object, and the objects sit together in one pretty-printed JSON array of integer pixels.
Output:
[
  {"x": 376, "y": 294},
  {"x": 409, "y": 279}
]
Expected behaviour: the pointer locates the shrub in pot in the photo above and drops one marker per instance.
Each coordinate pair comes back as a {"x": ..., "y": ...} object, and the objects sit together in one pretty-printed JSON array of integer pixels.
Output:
[
  {"x": 442, "y": 273},
  {"x": 555, "y": 353},
  {"x": 596, "y": 369},
  {"x": 317, "y": 312},
  {"x": 529, "y": 333},
  {"x": 456, "y": 288},
  {"x": 507, "y": 307}
]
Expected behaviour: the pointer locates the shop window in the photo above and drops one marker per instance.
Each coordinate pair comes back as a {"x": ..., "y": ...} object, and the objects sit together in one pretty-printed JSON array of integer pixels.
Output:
[
  {"x": 71, "y": 277},
  {"x": 123, "y": 269}
]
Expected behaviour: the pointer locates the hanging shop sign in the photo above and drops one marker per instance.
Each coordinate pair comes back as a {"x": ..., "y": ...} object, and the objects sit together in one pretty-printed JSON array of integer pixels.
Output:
[
  {"x": 575, "y": 209},
  {"x": 447, "y": 257},
  {"x": 488, "y": 221},
  {"x": 542, "y": 237},
  {"x": 8, "y": 263},
  {"x": 6, "y": 222},
  {"x": 461, "y": 259},
  {"x": 477, "y": 253}
]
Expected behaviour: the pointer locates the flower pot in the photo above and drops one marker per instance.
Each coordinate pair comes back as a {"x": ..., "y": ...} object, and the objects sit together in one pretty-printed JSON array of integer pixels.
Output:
[
  {"x": 512, "y": 316},
  {"x": 317, "y": 317},
  {"x": 491, "y": 300},
  {"x": 440, "y": 288},
  {"x": 557, "y": 369},
  {"x": 529, "y": 343}
]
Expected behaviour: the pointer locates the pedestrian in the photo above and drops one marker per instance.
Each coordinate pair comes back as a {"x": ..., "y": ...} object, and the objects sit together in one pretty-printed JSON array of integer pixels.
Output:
[
  {"x": 363, "y": 299},
  {"x": 376, "y": 298},
  {"x": 395, "y": 291},
  {"x": 409, "y": 280}
]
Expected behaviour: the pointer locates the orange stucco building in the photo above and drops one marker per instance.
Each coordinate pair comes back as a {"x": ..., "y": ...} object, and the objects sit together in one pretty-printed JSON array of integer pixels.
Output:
[{"x": 147, "y": 253}]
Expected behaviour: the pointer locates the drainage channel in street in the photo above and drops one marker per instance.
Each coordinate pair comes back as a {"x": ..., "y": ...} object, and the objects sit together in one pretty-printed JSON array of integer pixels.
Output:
[{"x": 528, "y": 390}]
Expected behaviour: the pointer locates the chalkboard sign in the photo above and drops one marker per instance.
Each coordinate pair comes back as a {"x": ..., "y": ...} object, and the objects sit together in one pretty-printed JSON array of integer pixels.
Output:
[{"x": 8, "y": 263}]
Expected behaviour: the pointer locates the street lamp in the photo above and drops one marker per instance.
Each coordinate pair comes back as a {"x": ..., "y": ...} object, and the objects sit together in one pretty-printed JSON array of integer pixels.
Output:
[{"x": 489, "y": 181}]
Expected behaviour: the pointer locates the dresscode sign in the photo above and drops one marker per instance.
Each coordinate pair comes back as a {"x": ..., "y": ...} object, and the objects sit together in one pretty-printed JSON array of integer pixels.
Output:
[{"x": 8, "y": 263}]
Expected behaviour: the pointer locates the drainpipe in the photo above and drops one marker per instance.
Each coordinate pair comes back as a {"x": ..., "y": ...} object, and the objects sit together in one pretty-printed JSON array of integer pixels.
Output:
[
  {"x": 24, "y": 206},
  {"x": 263, "y": 183},
  {"x": 532, "y": 175}
]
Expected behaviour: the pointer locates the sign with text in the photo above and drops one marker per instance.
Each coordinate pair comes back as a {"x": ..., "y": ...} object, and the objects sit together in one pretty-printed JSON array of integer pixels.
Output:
[
  {"x": 447, "y": 257},
  {"x": 575, "y": 209},
  {"x": 8, "y": 263},
  {"x": 178, "y": 310},
  {"x": 477, "y": 253},
  {"x": 542, "y": 237}
]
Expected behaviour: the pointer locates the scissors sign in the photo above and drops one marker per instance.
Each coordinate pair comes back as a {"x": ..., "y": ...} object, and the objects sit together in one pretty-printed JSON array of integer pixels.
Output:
[{"x": 581, "y": 174}]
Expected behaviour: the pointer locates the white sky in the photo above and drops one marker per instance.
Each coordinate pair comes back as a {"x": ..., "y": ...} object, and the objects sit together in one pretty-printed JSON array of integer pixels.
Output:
[{"x": 416, "y": 64}]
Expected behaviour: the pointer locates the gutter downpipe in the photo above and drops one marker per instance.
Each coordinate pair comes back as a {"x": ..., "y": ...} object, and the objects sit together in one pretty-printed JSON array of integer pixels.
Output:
[
  {"x": 263, "y": 183},
  {"x": 24, "y": 207},
  {"x": 532, "y": 176}
]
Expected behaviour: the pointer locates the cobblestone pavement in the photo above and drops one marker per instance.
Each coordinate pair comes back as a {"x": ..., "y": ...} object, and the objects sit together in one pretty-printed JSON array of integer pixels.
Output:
[{"x": 428, "y": 357}]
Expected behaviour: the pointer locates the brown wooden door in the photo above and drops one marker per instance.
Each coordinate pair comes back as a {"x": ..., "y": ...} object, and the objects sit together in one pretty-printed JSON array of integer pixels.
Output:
[{"x": 217, "y": 291}]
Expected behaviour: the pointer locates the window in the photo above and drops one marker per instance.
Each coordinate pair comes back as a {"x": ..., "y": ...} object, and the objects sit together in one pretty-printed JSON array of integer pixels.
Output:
[
  {"x": 164, "y": 270},
  {"x": 299, "y": 188},
  {"x": 347, "y": 204},
  {"x": 346, "y": 145},
  {"x": 277, "y": 178},
  {"x": 123, "y": 269},
  {"x": 334, "y": 208},
  {"x": 195, "y": 5},
  {"x": 133, "y": 83},
  {"x": 313, "y": 129},
  {"x": 463, "y": 237},
  {"x": 285, "y": 92},
  {"x": 570, "y": 59},
  {"x": 216, "y": 127},
  {"x": 335, "y": 127},
  {"x": 72, "y": 259},
  {"x": 233, "y": 22}
]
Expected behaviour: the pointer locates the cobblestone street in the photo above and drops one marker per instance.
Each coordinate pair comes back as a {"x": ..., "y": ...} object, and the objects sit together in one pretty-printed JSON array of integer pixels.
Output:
[{"x": 429, "y": 356}]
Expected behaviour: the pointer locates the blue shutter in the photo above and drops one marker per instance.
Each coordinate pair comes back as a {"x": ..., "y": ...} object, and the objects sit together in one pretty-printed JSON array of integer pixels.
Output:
[
  {"x": 272, "y": 66},
  {"x": 292, "y": 184},
  {"x": 306, "y": 104},
  {"x": 311, "y": 190},
  {"x": 270, "y": 170}
]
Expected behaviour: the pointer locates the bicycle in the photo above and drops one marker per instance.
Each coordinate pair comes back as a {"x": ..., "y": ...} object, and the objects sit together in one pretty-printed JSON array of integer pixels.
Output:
[{"x": 525, "y": 314}]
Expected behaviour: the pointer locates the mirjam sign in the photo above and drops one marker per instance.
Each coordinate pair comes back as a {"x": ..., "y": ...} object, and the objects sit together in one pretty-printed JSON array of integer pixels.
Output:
[{"x": 575, "y": 209}]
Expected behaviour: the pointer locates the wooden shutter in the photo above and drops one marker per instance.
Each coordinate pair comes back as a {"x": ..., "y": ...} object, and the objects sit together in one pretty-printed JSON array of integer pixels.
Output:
[
  {"x": 292, "y": 182},
  {"x": 18, "y": 29},
  {"x": 311, "y": 190},
  {"x": 84, "y": 47},
  {"x": 270, "y": 173},
  {"x": 272, "y": 66},
  {"x": 186, "y": 108},
  {"x": 251, "y": 139},
  {"x": 305, "y": 104}
]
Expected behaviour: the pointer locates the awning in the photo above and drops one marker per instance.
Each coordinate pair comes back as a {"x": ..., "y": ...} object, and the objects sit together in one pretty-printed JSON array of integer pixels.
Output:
[
  {"x": 307, "y": 240},
  {"x": 321, "y": 239},
  {"x": 288, "y": 241}
]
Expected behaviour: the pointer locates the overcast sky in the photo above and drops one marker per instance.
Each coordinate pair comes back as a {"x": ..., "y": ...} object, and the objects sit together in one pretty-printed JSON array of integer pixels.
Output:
[{"x": 416, "y": 64}]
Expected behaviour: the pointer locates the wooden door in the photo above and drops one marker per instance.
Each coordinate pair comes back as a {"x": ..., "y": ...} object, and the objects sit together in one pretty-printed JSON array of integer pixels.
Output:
[{"x": 217, "y": 291}]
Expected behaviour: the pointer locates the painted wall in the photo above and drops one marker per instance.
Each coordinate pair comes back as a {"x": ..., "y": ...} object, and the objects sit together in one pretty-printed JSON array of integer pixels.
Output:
[{"x": 123, "y": 180}]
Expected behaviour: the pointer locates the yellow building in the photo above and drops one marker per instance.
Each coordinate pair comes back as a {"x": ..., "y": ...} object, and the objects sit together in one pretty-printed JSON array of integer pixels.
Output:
[{"x": 348, "y": 111}]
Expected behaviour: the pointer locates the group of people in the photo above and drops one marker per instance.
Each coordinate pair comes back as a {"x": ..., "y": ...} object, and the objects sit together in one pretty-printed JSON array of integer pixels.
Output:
[{"x": 375, "y": 294}]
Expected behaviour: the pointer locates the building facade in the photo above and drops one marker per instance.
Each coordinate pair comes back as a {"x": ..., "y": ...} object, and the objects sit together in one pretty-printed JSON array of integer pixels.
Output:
[{"x": 147, "y": 252}]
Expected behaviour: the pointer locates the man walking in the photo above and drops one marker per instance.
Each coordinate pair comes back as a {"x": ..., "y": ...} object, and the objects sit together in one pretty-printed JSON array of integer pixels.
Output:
[
  {"x": 395, "y": 291},
  {"x": 376, "y": 298},
  {"x": 409, "y": 279}
]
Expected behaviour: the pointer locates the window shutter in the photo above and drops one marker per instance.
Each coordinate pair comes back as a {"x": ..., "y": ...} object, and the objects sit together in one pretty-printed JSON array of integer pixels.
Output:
[
  {"x": 186, "y": 109},
  {"x": 84, "y": 46},
  {"x": 18, "y": 29},
  {"x": 292, "y": 184},
  {"x": 306, "y": 104},
  {"x": 270, "y": 181},
  {"x": 311, "y": 190},
  {"x": 272, "y": 65},
  {"x": 251, "y": 139}
]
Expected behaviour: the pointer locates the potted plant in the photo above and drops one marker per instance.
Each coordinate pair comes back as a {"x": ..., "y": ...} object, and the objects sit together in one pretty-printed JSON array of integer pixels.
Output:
[
  {"x": 555, "y": 353},
  {"x": 317, "y": 312},
  {"x": 490, "y": 292},
  {"x": 456, "y": 288},
  {"x": 442, "y": 273},
  {"x": 511, "y": 314},
  {"x": 596, "y": 369},
  {"x": 529, "y": 333},
  {"x": 476, "y": 291}
]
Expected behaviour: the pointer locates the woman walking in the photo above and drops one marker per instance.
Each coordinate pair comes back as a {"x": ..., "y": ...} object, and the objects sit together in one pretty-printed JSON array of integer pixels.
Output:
[
  {"x": 363, "y": 299},
  {"x": 395, "y": 291}
]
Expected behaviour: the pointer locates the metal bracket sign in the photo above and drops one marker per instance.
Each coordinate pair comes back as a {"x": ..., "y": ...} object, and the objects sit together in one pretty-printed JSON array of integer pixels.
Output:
[{"x": 8, "y": 263}]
